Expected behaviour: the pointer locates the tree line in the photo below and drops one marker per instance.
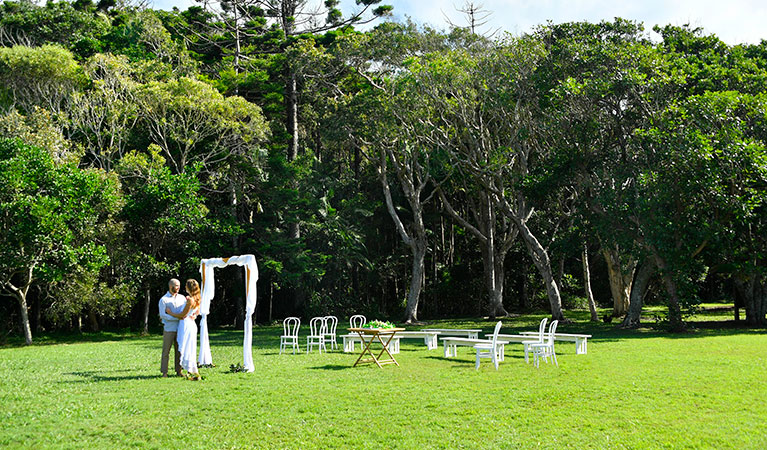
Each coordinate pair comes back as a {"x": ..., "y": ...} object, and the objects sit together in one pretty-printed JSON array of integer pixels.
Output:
[{"x": 401, "y": 172}]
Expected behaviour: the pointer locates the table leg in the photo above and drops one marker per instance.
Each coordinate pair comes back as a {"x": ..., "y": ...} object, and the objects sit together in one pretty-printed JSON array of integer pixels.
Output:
[
  {"x": 386, "y": 348},
  {"x": 366, "y": 349}
]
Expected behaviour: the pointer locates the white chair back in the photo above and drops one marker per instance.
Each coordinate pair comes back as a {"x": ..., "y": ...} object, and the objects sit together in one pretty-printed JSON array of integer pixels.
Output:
[
  {"x": 552, "y": 330},
  {"x": 542, "y": 329},
  {"x": 495, "y": 333},
  {"x": 290, "y": 326},
  {"x": 357, "y": 321},
  {"x": 331, "y": 324},
  {"x": 317, "y": 326}
]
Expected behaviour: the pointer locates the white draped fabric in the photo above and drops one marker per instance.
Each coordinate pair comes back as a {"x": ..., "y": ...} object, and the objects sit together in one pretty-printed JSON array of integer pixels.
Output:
[{"x": 207, "y": 267}]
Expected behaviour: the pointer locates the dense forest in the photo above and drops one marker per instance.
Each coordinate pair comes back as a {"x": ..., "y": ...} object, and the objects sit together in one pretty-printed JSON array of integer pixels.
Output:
[{"x": 400, "y": 172}]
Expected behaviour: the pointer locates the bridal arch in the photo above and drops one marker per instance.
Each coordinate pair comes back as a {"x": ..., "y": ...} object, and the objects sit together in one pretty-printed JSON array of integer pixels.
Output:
[{"x": 208, "y": 290}]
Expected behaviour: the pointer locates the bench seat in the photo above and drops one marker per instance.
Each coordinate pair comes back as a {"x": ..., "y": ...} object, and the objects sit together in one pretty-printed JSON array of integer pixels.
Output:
[{"x": 581, "y": 340}]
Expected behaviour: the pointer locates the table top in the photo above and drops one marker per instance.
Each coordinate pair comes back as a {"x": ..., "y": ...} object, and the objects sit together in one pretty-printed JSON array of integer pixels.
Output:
[{"x": 376, "y": 330}]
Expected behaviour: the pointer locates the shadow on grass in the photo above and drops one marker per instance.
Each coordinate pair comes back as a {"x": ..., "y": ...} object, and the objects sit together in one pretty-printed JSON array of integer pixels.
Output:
[
  {"x": 331, "y": 367},
  {"x": 91, "y": 376},
  {"x": 453, "y": 360}
]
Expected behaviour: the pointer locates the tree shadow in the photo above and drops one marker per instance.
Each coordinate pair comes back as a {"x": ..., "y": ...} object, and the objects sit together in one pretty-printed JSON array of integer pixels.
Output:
[
  {"x": 91, "y": 376},
  {"x": 331, "y": 367}
]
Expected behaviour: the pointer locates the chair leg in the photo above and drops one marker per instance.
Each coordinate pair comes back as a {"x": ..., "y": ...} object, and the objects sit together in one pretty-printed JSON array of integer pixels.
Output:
[
  {"x": 527, "y": 349},
  {"x": 554, "y": 357},
  {"x": 477, "y": 366}
]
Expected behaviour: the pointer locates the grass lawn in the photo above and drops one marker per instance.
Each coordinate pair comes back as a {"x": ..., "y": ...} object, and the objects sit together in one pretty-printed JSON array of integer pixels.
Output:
[{"x": 634, "y": 389}]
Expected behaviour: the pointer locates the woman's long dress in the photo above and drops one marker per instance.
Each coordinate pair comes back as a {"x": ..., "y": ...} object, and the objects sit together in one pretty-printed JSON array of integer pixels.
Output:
[{"x": 187, "y": 342}]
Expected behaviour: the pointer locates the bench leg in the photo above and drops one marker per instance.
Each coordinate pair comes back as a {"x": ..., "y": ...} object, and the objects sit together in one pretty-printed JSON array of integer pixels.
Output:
[{"x": 580, "y": 346}]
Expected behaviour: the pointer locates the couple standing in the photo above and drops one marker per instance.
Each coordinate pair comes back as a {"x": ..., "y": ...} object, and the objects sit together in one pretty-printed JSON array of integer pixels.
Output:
[{"x": 180, "y": 330}]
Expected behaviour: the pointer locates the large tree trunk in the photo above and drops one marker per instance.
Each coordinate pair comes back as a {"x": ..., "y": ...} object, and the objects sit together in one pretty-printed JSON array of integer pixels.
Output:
[
  {"x": 638, "y": 292},
  {"x": 416, "y": 282},
  {"x": 291, "y": 110},
  {"x": 494, "y": 278},
  {"x": 587, "y": 283},
  {"x": 674, "y": 308},
  {"x": 147, "y": 301},
  {"x": 93, "y": 320},
  {"x": 754, "y": 295},
  {"x": 21, "y": 296},
  {"x": 621, "y": 277},
  {"x": 542, "y": 262}
]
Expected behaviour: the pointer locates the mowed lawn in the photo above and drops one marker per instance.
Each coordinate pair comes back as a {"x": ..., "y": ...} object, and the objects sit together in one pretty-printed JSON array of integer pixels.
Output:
[{"x": 634, "y": 389}]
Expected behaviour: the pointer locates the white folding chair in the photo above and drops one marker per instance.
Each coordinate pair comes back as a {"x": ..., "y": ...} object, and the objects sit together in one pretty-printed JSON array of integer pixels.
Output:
[
  {"x": 316, "y": 334},
  {"x": 331, "y": 323},
  {"x": 289, "y": 336},
  {"x": 541, "y": 330},
  {"x": 546, "y": 348},
  {"x": 490, "y": 349}
]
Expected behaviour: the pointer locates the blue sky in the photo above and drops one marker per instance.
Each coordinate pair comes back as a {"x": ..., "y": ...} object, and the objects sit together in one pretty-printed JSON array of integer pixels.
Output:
[{"x": 733, "y": 21}]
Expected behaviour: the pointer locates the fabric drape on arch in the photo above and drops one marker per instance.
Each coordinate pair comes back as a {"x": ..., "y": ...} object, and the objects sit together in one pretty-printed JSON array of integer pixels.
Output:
[{"x": 208, "y": 289}]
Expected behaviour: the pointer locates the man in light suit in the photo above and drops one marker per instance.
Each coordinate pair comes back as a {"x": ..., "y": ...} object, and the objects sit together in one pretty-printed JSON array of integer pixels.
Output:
[{"x": 175, "y": 301}]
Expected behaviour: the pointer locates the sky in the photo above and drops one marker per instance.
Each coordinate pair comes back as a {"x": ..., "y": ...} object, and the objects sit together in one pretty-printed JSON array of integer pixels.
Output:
[{"x": 733, "y": 21}]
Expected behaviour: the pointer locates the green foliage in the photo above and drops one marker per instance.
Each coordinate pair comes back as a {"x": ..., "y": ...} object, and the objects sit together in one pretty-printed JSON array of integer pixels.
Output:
[
  {"x": 72, "y": 25},
  {"x": 43, "y": 76},
  {"x": 55, "y": 219}
]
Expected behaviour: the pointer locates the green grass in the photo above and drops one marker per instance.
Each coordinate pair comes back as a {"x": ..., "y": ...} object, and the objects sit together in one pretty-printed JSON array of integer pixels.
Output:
[{"x": 634, "y": 389}]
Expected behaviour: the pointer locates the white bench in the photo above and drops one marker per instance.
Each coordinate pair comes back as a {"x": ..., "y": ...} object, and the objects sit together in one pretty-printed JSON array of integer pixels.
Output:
[
  {"x": 429, "y": 337},
  {"x": 451, "y": 344},
  {"x": 581, "y": 340},
  {"x": 351, "y": 339},
  {"x": 471, "y": 334}
]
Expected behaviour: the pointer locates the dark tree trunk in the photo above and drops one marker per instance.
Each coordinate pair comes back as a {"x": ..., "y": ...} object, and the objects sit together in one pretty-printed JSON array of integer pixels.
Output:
[
  {"x": 93, "y": 320},
  {"x": 494, "y": 278},
  {"x": 147, "y": 302},
  {"x": 416, "y": 283},
  {"x": 291, "y": 110},
  {"x": 638, "y": 292},
  {"x": 754, "y": 294},
  {"x": 674, "y": 307}
]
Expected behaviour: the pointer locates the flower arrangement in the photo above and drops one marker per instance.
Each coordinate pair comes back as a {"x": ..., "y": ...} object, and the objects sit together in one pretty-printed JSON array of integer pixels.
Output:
[
  {"x": 235, "y": 368},
  {"x": 378, "y": 324}
]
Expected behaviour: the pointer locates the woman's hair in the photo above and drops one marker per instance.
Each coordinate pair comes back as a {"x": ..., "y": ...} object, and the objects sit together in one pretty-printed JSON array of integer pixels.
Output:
[{"x": 193, "y": 292}]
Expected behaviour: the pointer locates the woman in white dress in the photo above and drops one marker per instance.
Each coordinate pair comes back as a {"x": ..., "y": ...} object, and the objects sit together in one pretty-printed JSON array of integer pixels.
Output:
[{"x": 187, "y": 330}]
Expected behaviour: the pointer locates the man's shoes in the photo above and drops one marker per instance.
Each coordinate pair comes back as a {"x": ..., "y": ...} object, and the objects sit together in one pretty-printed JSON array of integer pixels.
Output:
[
  {"x": 165, "y": 375},
  {"x": 179, "y": 374}
]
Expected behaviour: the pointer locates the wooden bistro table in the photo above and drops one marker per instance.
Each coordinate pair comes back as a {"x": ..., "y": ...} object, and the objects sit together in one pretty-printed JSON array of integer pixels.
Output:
[{"x": 368, "y": 335}]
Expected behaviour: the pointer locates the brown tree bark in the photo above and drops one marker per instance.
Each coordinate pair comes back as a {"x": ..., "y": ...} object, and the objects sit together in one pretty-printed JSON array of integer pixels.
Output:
[
  {"x": 621, "y": 277},
  {"x": 638, "y": 292},
  {"x": 674, "y": 307},
  {"x": 147, "y": 301}
]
